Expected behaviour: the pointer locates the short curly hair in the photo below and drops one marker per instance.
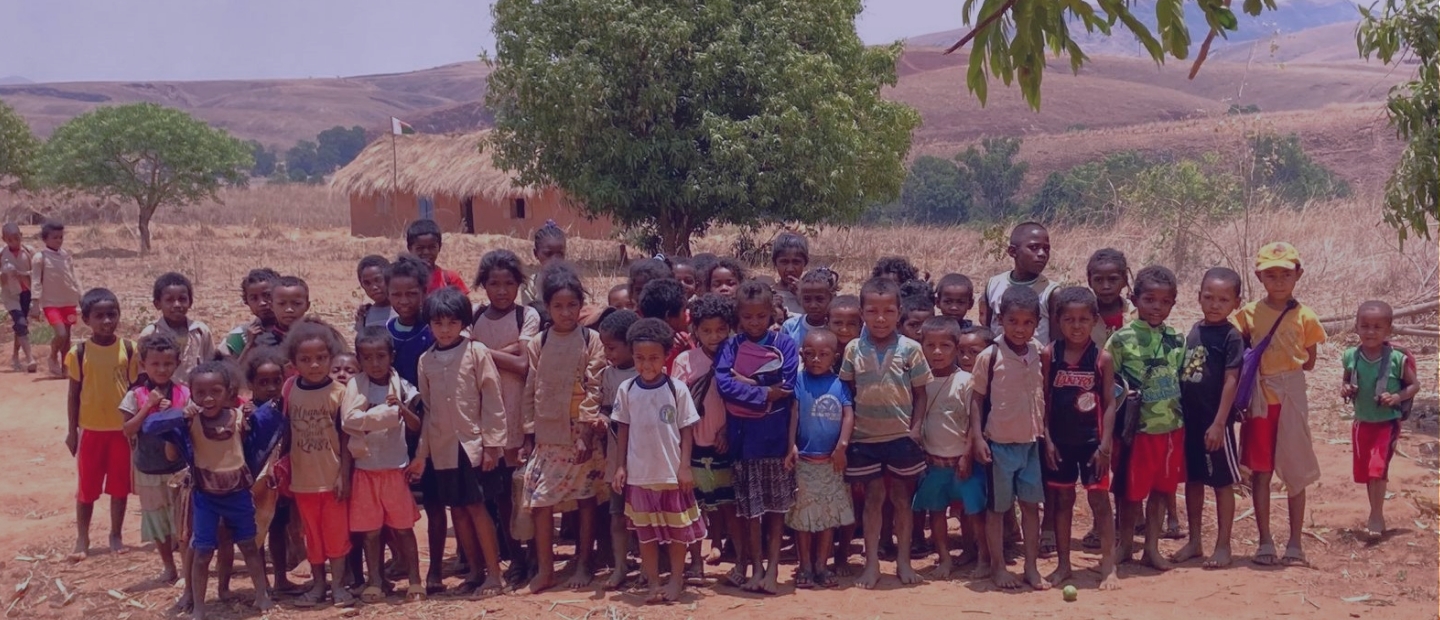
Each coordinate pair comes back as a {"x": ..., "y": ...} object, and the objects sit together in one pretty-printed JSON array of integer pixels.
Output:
[
  {"x": 1155, "y": 276},
  {"x": 650, "y": 330},
  {"x": 712, "y": 306},
  {"x": 617, "y": 324}
]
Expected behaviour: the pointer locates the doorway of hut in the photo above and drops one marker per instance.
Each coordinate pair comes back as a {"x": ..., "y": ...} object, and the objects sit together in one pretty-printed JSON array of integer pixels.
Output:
[{"x": 467, "y": 216}]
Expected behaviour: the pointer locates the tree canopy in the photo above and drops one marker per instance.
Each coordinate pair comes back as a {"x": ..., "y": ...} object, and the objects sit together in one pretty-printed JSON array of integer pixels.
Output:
[
  {"x": 673, "y": 116},
  {"x": 144, "y": 152},
  {"x": 17, "y": 149}
]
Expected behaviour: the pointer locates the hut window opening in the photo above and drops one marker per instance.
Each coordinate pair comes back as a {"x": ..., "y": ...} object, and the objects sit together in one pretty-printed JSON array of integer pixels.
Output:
[
  {"x": 427, "y": 207},
  {"x": 517, "y": 209}
]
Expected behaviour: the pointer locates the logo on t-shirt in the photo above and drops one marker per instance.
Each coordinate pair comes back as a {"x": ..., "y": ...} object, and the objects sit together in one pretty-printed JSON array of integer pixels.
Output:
[
  {"x": 1074, "y": 379},
  {"x": 667, "y": 414},
  {"x": 827, "y": 407},
  {"x": 1195, "y": 360}
]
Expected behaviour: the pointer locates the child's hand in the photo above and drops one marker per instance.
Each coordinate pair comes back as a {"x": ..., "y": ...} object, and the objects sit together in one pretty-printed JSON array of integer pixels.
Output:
[
  {"x": 838, "y": 460},
  {"x": 582, "y": 450},
  {"x": 527, "y": 448},
  {"x": 1214, "y": 438},
  {"x": 916, "y": 434},
  {"x": 1348, "y": 392},
  {"x": 392, "y": 400},
  {"x": 154, "y": 401},
  {"x": 414, "y": 470},
  {"x": 963, "y": 468},
  {"x": 982, "y": 452},
  {"x": 253, "y": 330},
  {"x": 490, "y": 458},
  {"x": 72, "y": 441},
  {"x": 1052, "y": 456},
  {"x": 790, "y": 458},
  {"x": 246, "y": 409},
  {"x": 1388, "y": 400},
  {"x": 192, "y": 409},
  {"x": 513, "y": 348},
  {"x": 685, "y": 478},
  {"x": 618, "y": 484},
  {"x": 1100, "y": 461},
  {"x": 776, "y": 393},
  {"x": 342, "y": 487}
]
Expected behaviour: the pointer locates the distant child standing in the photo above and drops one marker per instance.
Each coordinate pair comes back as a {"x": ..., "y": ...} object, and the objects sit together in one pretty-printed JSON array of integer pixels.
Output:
[
  {"x": 954, "y": 297},
  {"x": 423, "y": 239},
  {"x": 560, "y": 406},
  {"x": 1214, "y": 355},
  {"x": 1030, "y": 249},
  {"x": 614, "y": 330},
  {"x": 1108, "y": 275},
  {"x": 101, "y": 371},
  {"x": 57, "y": 290},
  {"x": 665, "y": 299},
  {"x": 173, "y": 296},
  {"x": 844, "y": 321},
  {"x": 657, "y": 412},
  {"x": 724, "y": 276},
  {"x": 642, "y": 272},
  {"x": 712, "y": 318},
  {"x": 154, "y": 463},
  {"x": 914, "y": 311},
  {"x": 1275, "y": 438},
  {"x": 819, "y": 435},
  {"x": 371, "y": 274},
  {"x": 816, "y": 290},
  {"x": 1148, "y": 356},
  {"x": 255, "y": 291},
  {"x": 1007, "y": 389},
  {"x": 684, "y": 269},
  {"x": 755, "y": 371},
  {"x": 973, "y": 340},
  {"x": 16, "y": 294},
  {"x": 1379, "y": 380},
  {"x": 789, "y": 255},
  {"x": 549, "y": 247}
]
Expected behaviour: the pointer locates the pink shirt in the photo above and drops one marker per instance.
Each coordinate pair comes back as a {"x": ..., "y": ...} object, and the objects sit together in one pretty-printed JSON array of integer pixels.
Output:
[{"x": 689, "y": 366}]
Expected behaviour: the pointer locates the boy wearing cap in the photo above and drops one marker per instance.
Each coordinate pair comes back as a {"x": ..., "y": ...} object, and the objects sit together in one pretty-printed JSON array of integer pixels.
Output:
[{"x": 1275, "y": 438}]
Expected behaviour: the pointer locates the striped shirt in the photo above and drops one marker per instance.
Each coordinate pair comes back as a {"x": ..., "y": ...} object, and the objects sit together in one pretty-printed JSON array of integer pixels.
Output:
[{"x": 884, "y": 381}]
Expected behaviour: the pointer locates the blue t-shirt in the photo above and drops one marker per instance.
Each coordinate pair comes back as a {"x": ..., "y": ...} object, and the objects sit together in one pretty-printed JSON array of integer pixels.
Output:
[
  {"x": 796, "y": 327},
  {"x": 410, "y": 343},
  {"x": 822, "y": 399}
]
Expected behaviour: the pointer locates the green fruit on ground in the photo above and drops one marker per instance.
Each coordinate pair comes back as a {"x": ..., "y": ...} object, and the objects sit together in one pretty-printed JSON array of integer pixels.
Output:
[{"x": 1070, "y": 593}]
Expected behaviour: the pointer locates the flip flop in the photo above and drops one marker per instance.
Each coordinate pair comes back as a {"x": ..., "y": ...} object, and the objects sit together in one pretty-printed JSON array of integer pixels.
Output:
[
  {"x": 735, "y": 577},
  {"x": 415, "y": 593},
  {"x": 1265, "y": 555},
  {"x": 1295, "y": 557},
  {"x": 371, "y": 595},
  {"x": 804, "y": 580},
  {"x": 1091, "y": 540},
  {"x": 827, "y": 579}
]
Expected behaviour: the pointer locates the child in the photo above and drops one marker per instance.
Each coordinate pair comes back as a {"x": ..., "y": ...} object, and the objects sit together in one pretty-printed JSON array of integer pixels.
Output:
[
  {"x": 371, "y": 273},
  {"x": 659, "y": 503},
  {"x": 505, "y": 328},
  {"x": 1275, "y": 438},
  {"x": 172, "y": 297},
  {"x": 101, "y": 371},
  {"x": 641, "y": 272},
  {"x": 549, "y": 246},
  {"x": 613, "y": 333},
  {"x": 222, "y": 447},
  {"x": 154, "y": 464},
  {"x": 1079, "y": 413},
  {"x": 817, "y": 290},
  {"x": 888, "y": 373},
  {"x": 1108, "y": 274},
  {"x": 724, "y": 276},
  {"x": 559, "y": 408},
  {"x": 343, "y": 367},
  {"x": 973, "y": 340},
  {"x": 820, "y": 432},
  {"x": 422, "y": 238},
  {"x": 789, "y": 255},
  {"x": 1030, "y": 249},
  {"x": 664, "y": 299},
  {"x": 914, "y": 311},
  {"x": 897, "y": 269},
  {"x": 320, "y": 459},
  {"x": 844, "y": 321},
  {"x": 755, "y": 372},
  {"x": 684, "y": 269},
  {"x": 712, "y": 318},
  {"x": 380, "y": 495},
  {"x": 255, "y": 292},
  {"x": 16, "y": 293},
  {"x": 291, "y": 299},
  {"x": 702, "y": 263},
  {"x": 265, "y": 375},
  {"x": 619, "y": 297},
  {"x": 57, "y": 290},
  {"x": 1148, "y": 355},
  {"x": 950, "y": 480},
  {"x": 1214, "y": 353},
  {"x": 1007, "y": 389},
  {"x": 1379, "y": 380},
  {"x": 955, "y": 297}
]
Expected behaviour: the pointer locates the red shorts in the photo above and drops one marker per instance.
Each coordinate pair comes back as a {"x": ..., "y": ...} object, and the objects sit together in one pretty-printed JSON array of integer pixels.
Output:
[
  {"x": 1374, "y": 444},
  {"x": 381, "y": 498},
  {"x": 1257, "y": 440},
  {"x": 103, "y": 458},
  {"x": 62, "y": 315},
  {"x": 1157, "y": 464},
  {"x": 326, "y": 525}
]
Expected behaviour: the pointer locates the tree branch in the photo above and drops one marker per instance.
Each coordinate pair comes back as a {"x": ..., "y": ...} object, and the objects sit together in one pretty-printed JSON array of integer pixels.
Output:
[
  {"x": 1204, "y": 53},
  {"x": 984, "y": 23}
]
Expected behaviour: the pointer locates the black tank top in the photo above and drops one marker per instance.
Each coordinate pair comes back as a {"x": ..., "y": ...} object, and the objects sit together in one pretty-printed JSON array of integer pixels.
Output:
[{"x": 1076, "y": 409}]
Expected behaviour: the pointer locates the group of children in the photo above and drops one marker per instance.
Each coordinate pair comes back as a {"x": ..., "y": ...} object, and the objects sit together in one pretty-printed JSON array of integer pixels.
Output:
[{"x": 704, "y": 403}]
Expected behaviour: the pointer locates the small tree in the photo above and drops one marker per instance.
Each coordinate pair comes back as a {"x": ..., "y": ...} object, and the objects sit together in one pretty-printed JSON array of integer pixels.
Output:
[
  {"x": 265, "y": 159},
  {"x": 994, "y": 175},
  {"x": 1284, "y": 168},
  {"x": 302, "y": 163},
  {"x": 935, "y": 192},
  {"x": 338, "y": 146},
  {"x": 1181, "y": 197},
  {"x": 146, "y": 153},
  {"x": 17, "y": 150}
]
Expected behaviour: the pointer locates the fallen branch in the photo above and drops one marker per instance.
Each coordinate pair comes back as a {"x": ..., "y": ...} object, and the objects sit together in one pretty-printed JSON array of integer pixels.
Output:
[{"x": 1343, "y": 323}]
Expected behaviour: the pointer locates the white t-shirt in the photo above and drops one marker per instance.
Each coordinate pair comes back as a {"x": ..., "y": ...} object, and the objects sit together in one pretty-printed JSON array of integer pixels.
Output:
[
  {"x": 1042, "y": 286},
  {"x": 655, "y": 415},
  {"x": 945, "y": 433},
  {"x": 378, "y": 426}
]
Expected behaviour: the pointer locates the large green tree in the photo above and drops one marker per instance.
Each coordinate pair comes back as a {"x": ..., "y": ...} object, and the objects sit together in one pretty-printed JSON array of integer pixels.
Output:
[
  {"x": 935, "y": 191},
  {"x": 338, "y": 146},
  {"x": 994, "y": 176},
  {"x": 674, "y": 115},
  {"x": 150, "y": 154},
  {"x": 17, "y": 150}
]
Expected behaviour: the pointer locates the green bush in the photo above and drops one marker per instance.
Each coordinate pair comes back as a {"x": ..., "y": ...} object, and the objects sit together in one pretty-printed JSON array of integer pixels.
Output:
[{"x": 1284, "y": 168}]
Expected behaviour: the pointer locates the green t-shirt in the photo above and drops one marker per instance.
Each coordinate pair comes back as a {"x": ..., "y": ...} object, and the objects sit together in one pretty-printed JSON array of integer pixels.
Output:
[
  {"x": 1367, "y": 375},
  {"x": 1151, "y": 357}
]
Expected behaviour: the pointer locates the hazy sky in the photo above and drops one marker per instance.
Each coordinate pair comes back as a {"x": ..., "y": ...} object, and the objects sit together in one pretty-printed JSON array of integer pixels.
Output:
[{"x": 78, "y": 40}]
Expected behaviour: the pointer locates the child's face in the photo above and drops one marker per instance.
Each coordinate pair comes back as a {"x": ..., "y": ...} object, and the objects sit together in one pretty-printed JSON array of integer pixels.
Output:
[
  {"x": 910, "y": 327},
  {"x": 1279, "y": 282},
  {"x": 818, "y": 353},
  {"x": 446, "y": 329},
  {"x": 649, "y": 359},
  {"x": 160, "y": 366},
  {"x": 258, "y": 299},
  {"x": 940, "y": 350},
  {"x": 968, "y": 349},
  {"x": 1218, "y": 300},
  {"x": 1373, "y": 326},
  {"x": 686, "y": 275},
  {"x": 372, "y": 281},
  {"x": 12, "y": 240},
  {"x": 636, "y": 286},
  {"x": 343, "y": 367},
  {"x": 549, "y": 249},
  {"x": 174, "y": 304},
  {"x": 815, "y": 299},
  {"x": 778, "y": 313},
  {"x": 269, "y": 380},
  {"x": 711, "y": 332},
  {"x": 211, "y": 393},
  {"x": 789, "y": 266},
  {"x": 1031, "y": 252},
  {"x": 103, "y": 318},
  {"x": 620, "y": 299},
  {"x": 754, "y": 317},
  {"x": 564, "y": 307},
  {"x": 427, "y": 248},
  {"x": 1077, "y": 321},
  {"x": 1108, "y": 281},
  {"x": 1019, "y": 325},
  {"x": 955, "y": 301},
  {"x": 312, "y": 361},
  {"x": 845, "y": 323},
  {"x": 617, "y": 351},
  {"x": 723, "y": 282},
  {"x": 501, "y": 288},
  {"x": 1154, "y": 304},
  {"x": 405, "y": 294},
  {"x": 291, "y": 303},
  {"x": 881, "y": 314},
  {"x": 54, "y": 240},
  {"x": 375, "y": 360}
]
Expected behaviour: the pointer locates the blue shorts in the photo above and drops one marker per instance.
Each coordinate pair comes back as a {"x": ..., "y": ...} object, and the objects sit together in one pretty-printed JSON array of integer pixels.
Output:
[
  {"x": 1015, "y": 475},
  {"x": 941, "y": 487},
  {"x": 237, "y": 510}
]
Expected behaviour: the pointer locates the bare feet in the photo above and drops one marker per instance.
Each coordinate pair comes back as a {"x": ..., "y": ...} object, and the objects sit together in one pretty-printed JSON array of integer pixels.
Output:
[
  {"x": 263, "y": 602},
  {"x": 167, "y": 576},
  {"x": 967, "y": 556},
  {"x": 1375, "y": 527},
  {"x": 82, "y": 550},
  {"x": 713, "y": 557},
  {"x": 1006, "y": 580},
  {"x": 1190, "y": 550},
  {"x": 769, "y": 585},
  {"x": 1032, "y": 577},
  {"x": 1219, "y": 559},
  {"x": 907, "y": 575},
  {"x": 1156, "y": 560},
  {"x": 544, "y": 580},
  {"x": 183, "y": 605},
  {"x": 942, "y": 569},
  {"x": 617, "y": 579},
  {"x": 1108, "y": 579},
  {"x": 869, "y": 577},
  {"x": 1061, "y": 573},
  {"x": 655, "y": 595},
  {"x": 581, "y": 579},
  {"x": 843, "y": 567},
  {"x": 491, "y": 586},
  {"x": 674, "y": 589},
  {"x": 982, "y": 571},
  {"x": 116, "y": 546},
  {"x": 1124, "y": 552}
]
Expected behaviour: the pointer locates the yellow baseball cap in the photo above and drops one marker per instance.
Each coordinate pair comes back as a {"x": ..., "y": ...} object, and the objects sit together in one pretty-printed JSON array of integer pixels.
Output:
[{"x": 1277, "y": 254}]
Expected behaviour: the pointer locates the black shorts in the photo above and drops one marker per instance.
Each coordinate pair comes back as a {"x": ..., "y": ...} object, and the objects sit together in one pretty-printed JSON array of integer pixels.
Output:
[
  {"x": 1074, "y": 466},
  {"x": 1220, "y": 468},
  {"x": 897, "y": 458},
  {"x": 461, "y": 486}
]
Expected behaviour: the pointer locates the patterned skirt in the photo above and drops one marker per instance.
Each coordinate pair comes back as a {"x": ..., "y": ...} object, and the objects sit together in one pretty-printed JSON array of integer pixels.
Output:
[
  {"x": 181, "y": 513},
  {"x": 553, "y": 478},
  {"x": 714, "y": 478},
  {"x": 763, "y": 485},
  {"x": 663, "y": 514},
  {"x": 823, "y": 499}
]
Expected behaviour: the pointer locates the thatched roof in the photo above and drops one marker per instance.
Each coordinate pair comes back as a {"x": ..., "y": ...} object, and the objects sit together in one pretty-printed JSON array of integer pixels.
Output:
[{"x": 428, "y": 165}]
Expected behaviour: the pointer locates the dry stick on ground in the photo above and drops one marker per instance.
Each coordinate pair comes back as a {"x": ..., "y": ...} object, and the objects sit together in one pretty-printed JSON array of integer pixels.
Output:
[{"x": 1342, "y": 323}]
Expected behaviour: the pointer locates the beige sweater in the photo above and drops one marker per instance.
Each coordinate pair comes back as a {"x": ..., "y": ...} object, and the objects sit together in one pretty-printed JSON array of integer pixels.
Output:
[
  {"x": 563, "y": 386},
  {"x": 52, "y": 274},
  {"x": 463, "y": 407}
]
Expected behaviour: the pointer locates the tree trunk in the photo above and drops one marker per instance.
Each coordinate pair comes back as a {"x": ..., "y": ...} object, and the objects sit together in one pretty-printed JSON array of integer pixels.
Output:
[
  {"x": 675, "y": 229},
  {"x": 146, "y": 212}
]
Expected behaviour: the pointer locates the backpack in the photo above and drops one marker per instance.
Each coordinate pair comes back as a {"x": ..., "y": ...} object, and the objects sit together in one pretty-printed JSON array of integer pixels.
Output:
[
  {"x": 519, "y": 313},
  {"x": 147, "y": 447},
  {"x": 1250, "y": 368},
  {"x": 1382, "y": 381},
  {"x": 128, "y": 346}
]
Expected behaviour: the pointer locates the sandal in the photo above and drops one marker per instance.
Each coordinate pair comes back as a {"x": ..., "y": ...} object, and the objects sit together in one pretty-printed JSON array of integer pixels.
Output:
[
  {"x": 371, "y": 595},
  {"x": 1265, "y": 555},
  {"x": 735, "y": 577},
  {"x": 1047, "y": 544},
  {"x": 804, "y": 580},
  {"x": 415, "y": 594},
  {"x": 1173, "y": 532},
  {"x": 827, "y": 579},
  {"x": 343, "y": 598},
  {"x": 1091, "y": 540},
  {"x": 310, "y": 598}
]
